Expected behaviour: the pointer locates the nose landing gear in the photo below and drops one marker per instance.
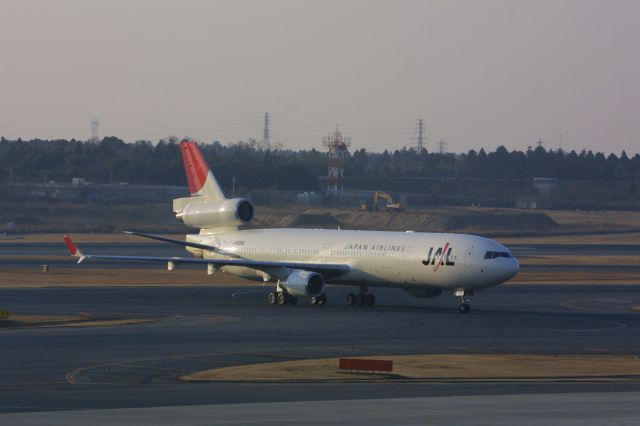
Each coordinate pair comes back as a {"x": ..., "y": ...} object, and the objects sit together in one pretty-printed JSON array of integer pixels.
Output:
[{"x": 465, "y": 298}]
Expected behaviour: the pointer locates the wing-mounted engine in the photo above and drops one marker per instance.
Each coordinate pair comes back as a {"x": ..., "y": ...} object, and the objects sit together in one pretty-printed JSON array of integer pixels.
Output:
[
  {"x": 304, "y": 283},
  {"x": 207, "y": 214}
]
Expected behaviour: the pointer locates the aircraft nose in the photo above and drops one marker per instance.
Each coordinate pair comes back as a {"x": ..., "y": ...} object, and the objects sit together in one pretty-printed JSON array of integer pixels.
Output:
[
  {"x": 508, "y": 269},
  {"x": 513, "y": 268}
]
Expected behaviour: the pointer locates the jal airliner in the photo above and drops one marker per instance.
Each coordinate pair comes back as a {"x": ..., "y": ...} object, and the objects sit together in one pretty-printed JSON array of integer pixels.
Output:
[{"x": 302, "y": 262}]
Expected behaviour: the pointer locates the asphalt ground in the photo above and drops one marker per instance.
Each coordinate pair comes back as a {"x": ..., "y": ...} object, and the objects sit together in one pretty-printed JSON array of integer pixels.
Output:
[
  {"x": 198, "y": 327},
  {"x": 539, "y": 409}
]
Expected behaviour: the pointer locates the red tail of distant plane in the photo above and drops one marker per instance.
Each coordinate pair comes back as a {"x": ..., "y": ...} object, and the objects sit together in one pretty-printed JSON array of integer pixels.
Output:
[
  {"x": 72, "y": 247},
  {"x": 199, "y": 176}
]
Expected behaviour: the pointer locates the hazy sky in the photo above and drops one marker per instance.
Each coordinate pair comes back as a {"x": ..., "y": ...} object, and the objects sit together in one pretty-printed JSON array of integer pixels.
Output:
[{"x": 481, "y": 73}]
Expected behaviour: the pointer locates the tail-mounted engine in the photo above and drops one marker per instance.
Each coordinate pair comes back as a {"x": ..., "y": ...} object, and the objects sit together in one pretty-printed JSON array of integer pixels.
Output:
[
  {"x": 304, "y": 283},
  {"x": 213, "y": 214}
]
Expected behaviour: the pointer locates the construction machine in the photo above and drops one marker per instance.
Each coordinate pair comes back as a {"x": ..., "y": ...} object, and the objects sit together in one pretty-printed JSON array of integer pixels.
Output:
[{"x": 391, "y": 204}]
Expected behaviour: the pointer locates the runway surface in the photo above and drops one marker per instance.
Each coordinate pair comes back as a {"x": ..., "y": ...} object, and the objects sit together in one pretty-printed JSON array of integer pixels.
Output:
[
  {"x": 568, "y": 409},
  {"x": 134, "y": 368},
  {"x": 199, "y": 327}
]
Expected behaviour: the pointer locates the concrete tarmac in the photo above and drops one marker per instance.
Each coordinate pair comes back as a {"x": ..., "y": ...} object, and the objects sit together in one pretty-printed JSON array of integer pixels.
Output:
[
  {"x": 578, "y": 409},
  {"x": 53, "y": 368},
  {"x": 129, "y": 373}
]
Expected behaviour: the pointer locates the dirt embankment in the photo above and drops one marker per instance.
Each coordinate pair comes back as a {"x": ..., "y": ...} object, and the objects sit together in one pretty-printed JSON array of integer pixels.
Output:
[
  {"x": 492, "y": 222},
  {"x": 158, "y": 218},
  {"x": 89, "y": 217},
  {"x": 441, "y": 220}
]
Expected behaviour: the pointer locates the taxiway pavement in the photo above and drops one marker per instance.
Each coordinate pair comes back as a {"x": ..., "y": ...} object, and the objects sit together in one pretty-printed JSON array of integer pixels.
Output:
[{"x": 201, "y": 327}]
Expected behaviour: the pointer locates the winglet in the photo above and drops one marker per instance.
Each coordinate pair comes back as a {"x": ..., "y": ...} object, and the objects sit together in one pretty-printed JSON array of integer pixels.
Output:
[{"x": 75, "y": 252}]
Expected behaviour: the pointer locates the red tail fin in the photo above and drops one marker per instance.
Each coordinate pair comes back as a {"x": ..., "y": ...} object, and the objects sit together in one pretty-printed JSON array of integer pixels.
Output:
[
  {"x": 72, "y": 247},
  {"x": 199, "y": 176},
  {"x": 195, "y": 166}
]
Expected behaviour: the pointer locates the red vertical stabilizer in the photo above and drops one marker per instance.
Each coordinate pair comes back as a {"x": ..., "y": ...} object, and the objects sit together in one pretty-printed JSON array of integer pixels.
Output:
[{"x": 195, "y": 166}]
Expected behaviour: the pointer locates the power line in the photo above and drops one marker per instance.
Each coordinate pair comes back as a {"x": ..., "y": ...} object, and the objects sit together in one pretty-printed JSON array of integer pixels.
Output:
[
  {"x": 94, "y": 129},
  {"x": 324, "y": 125},
  {"x": 420, "y": 139},
  {"x": 266, "y": 139}
]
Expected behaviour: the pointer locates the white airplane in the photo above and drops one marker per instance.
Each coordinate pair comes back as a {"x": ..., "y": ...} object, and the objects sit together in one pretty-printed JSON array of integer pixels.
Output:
[{"x": 301, "y": 262}]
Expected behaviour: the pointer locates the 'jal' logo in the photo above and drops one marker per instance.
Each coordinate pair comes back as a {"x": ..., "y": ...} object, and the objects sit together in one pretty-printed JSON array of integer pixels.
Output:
[{"x": 442, "y": 256}]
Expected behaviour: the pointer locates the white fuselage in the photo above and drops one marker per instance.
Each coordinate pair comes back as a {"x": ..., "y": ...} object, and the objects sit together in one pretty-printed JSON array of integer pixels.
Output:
[{"x": 376, "y": 258}]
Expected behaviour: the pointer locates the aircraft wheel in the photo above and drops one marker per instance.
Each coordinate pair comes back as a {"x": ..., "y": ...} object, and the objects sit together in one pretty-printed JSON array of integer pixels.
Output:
[
  {"x": 370, "y": 299},
  {"x": 272, "y": 298},
  {"x": 362, "y": 299},
  {"x": 322, "y": 299},
  {"x": 351, "y": 299},
  {"x": 293, "y": 300},
  {"x": 314, "y": 300},
  {"x": 282, "y": 299},
  {"x": 464, "y": 308}
]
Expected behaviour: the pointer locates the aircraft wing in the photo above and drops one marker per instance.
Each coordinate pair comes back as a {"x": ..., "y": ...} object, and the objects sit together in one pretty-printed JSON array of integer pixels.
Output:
[
  {"x": 327, "y": 270},
  {"x": 174, "y": 241}
]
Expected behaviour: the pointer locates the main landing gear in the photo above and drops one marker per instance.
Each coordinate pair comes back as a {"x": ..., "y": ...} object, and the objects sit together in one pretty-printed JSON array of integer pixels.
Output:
[
  {"x": 364, "y": 298},
  {"x": 318, "y": 300},
  {"x": 465, "y": 298},
  {"x": 281, "y": 297}
]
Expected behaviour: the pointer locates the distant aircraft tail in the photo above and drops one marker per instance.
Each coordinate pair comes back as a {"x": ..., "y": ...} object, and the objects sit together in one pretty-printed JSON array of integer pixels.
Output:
[
  {"x": 207, "y": 208},
  {"x": 201, "y": 180},
  {"x": 75, "y": 251}
]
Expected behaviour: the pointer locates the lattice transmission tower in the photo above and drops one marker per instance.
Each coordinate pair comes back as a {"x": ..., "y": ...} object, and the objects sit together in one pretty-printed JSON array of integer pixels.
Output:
[
  {"x": 420, "y": 138},
  {"x": 442, "y": 147},
  {"x": 338, "y": 146},
  {"x": 266, "y": 137},
  {"x": 94, "y": 129}
]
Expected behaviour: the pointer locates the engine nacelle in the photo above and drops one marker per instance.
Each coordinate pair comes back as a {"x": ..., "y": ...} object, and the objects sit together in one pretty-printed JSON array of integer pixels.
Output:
[
  {"x": 234, "y": 212},
  {"x": 304, "y": 283}
]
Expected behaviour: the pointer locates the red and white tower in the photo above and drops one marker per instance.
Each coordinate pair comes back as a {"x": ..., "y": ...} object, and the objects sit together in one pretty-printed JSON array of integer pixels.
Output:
[{"x": 338, "y": 147}]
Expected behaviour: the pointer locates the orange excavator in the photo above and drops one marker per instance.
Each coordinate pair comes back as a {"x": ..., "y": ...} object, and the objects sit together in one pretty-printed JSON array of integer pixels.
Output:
[{"x": 391, "y": 204}]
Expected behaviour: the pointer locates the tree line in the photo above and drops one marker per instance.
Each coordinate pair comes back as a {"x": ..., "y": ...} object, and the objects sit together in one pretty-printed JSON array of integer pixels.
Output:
[{"x": 111, "y": 160}]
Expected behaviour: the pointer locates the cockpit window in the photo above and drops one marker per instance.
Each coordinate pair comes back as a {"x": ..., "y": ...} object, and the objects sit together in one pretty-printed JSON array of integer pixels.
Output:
[{"x": 494, "y": 254}]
